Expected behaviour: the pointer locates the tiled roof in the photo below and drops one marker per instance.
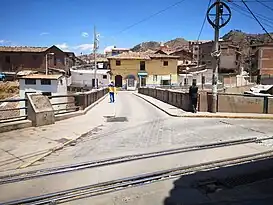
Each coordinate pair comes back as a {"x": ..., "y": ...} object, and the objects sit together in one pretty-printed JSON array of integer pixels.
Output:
[
  {"x": 141, "y": 56},
  {"x": 131, "y": 55},
  {"x": 22, "y": 49}
]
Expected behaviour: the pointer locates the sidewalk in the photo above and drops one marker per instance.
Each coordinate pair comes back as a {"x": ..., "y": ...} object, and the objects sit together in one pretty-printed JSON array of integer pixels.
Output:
[
  {"x": 176, "y": 112},
  {"x": 21, "y": 148}
]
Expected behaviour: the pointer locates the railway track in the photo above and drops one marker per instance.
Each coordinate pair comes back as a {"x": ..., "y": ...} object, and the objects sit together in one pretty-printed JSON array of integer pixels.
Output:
[
  {"x": 86, "y": 165},
  {"x": 115, "y": 185}
]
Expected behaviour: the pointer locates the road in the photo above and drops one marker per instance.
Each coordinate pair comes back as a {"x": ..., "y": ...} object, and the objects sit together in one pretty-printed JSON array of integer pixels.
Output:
[
  {"x": 144, "y": 128},
  {"x": 131, "y": 126}
]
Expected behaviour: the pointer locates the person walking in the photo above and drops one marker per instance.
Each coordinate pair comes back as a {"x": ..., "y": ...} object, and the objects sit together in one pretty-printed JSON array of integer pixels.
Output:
[
  {"x": 193, "y": 94},
  {"x": 112, "y": 92}
]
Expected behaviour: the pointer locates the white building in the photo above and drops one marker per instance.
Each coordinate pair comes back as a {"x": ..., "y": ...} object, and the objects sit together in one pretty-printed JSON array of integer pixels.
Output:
[
  {"x": 49, "y": 85},
  {"x": 86, "y": 78}
]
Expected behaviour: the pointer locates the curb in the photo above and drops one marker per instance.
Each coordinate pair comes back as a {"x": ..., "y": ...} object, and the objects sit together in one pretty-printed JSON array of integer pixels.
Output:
[
  {"x": 54, "y": 149},
  {"x": 157, "y": 106},
  {"x": 208, "y": 116}
]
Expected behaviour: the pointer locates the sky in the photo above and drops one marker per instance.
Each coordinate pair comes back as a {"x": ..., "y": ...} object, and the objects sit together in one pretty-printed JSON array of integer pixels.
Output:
[{"x": 69, "y": 24}]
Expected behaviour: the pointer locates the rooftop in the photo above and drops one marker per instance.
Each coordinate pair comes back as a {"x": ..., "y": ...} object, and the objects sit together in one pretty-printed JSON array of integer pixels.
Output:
[
  {"x": 22, "y": 49},
  {"x": 141, "y": 56},
  {"x": 41, "y": 76}
]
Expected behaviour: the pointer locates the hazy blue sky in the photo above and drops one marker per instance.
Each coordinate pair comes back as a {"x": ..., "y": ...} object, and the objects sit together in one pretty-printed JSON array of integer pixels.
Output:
[{"x": 69, "y": 23}]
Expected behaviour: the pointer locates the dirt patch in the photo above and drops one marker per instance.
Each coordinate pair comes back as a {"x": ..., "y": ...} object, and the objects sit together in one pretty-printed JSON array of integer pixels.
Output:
[{"x": 8, "y": 89}]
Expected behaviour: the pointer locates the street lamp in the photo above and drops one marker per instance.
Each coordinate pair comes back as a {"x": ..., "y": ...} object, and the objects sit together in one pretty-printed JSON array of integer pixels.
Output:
[{"x": 46, "y": 61}]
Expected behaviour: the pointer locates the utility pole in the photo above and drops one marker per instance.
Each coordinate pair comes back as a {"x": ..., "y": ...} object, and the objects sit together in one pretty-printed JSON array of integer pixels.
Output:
[
  {"x": 216, "y": 58},
  {"x": 94, "y": 53},
  {"x": 219, "y": 7}
]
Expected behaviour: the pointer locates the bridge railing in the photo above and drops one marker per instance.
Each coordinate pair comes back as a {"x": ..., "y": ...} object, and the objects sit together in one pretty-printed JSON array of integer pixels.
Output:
[
  {"x": 226, "y": 102},
  {"x": 16, "y": 109},
  {"x": 63, "y": 103},
  {"x": 13, "y": 110}
]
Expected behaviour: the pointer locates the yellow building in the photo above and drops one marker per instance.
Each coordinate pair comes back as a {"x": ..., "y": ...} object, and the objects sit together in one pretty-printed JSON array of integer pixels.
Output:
[{"x": 145, "y": 69}]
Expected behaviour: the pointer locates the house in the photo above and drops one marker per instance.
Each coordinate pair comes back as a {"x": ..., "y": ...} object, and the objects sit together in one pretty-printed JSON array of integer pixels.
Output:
[
  {"x": 85, "y": 78},
  {"x": 14, "y": 59},
  {"x": 188, "y": 72},
  {"x": 184, "y": 55},
  {"x": 262, "y": 59},
  {"x": 116, "y": 51},
  {"x": 143, "y": 69},
  {"x": 229, "y": 58},
  {"x": 48, "y": 85},
  {"x": 195, "y": 50}
]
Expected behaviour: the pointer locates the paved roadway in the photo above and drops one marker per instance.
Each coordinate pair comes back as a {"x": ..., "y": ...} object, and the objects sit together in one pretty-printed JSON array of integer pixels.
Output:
[
  {"x": 144, "y": 128},
  {"x": 141, "y": 128}
]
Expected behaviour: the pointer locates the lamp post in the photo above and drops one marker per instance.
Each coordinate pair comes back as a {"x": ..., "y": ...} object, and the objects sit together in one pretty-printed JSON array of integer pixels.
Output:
[{"x": 46, "y": 62}]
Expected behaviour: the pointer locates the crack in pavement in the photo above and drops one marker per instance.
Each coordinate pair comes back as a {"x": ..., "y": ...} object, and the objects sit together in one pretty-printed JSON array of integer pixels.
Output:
[{"x": 12, "y": 155}]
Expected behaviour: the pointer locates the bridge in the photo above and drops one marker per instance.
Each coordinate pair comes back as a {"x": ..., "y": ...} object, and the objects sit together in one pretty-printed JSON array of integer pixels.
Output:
[{"x": 136, "y": 124}]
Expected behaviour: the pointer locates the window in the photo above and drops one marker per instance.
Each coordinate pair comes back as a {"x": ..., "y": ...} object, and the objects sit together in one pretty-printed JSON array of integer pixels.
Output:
[
  {"x": 104, "y": 77},
  {"x": 165, "y": 63},
  {"x": 209, "y": 62},
  {"x": 118, "y": 63},
  {"x": 45, "y": 82},
  {"x": 7, "y": 59},
  {"x": 196, "y": 48},
  {"x": 61, "y": 82},
  {"x": 155, "y": 78},
  {"x": 55, "y": 60},
  {"x": 46, "y": 93},
  {"x": 142, "y": 65},
  {"x": 30, "y": 81}
]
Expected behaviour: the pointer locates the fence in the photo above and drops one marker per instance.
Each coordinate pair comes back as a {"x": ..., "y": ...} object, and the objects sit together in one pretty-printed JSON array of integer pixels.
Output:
[
  {"x": 233, "y": 103},
  {"x": 10, "y": 110}
]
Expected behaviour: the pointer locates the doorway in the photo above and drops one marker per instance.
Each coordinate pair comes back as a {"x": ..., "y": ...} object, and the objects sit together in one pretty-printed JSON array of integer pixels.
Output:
[{"x": 118, "y": 81}]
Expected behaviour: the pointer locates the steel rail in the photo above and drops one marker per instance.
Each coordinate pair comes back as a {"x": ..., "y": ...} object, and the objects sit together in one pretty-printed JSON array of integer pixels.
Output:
[
  {"x": 11, "y": 178},
  {"x": 119, "y": 184}
]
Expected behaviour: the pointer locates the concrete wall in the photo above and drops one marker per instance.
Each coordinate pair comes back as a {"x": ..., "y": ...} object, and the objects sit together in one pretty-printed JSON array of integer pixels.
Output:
[{"x": 233, "y": 103}]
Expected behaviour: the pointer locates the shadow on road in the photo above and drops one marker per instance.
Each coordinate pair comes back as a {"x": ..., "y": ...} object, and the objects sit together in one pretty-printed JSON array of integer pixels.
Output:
[{"x": 247, "y": 184}]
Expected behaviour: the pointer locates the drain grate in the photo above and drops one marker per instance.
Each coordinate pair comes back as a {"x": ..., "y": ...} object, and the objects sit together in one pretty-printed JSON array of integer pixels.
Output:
[
  {"x": 231, "y": 182},
  {"x": 212, "y": 185},
  {"x": 209, "y": 186},
  {"x": 117, "y": 119}
]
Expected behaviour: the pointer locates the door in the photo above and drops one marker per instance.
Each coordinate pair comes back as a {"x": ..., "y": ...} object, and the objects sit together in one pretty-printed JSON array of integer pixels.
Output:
[
  {"x": 143, "y": 81},
  {"x": 118, "y": 81}
]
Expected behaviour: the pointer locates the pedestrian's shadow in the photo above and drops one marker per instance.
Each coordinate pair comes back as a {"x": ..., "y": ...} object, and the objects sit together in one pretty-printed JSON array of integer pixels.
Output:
[{"x": 245, "y": 184}]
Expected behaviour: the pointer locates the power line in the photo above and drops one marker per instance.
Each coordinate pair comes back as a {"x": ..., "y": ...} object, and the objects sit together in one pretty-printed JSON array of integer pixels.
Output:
[
  {"x": 204, "y": 21},
  {"x": 265, "y": 18},
  {"x": 257, "y": 19},
  {"x": 151, "y": 16},
  {"x": 270, "y": 8},
  {"x": 240, "y": 10}
]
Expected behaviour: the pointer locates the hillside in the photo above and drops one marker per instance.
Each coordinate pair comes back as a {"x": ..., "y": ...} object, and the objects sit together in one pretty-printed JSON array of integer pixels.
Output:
[
  {"x": 243, "y": 40},
  {"x": 153, "y": 45}
]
